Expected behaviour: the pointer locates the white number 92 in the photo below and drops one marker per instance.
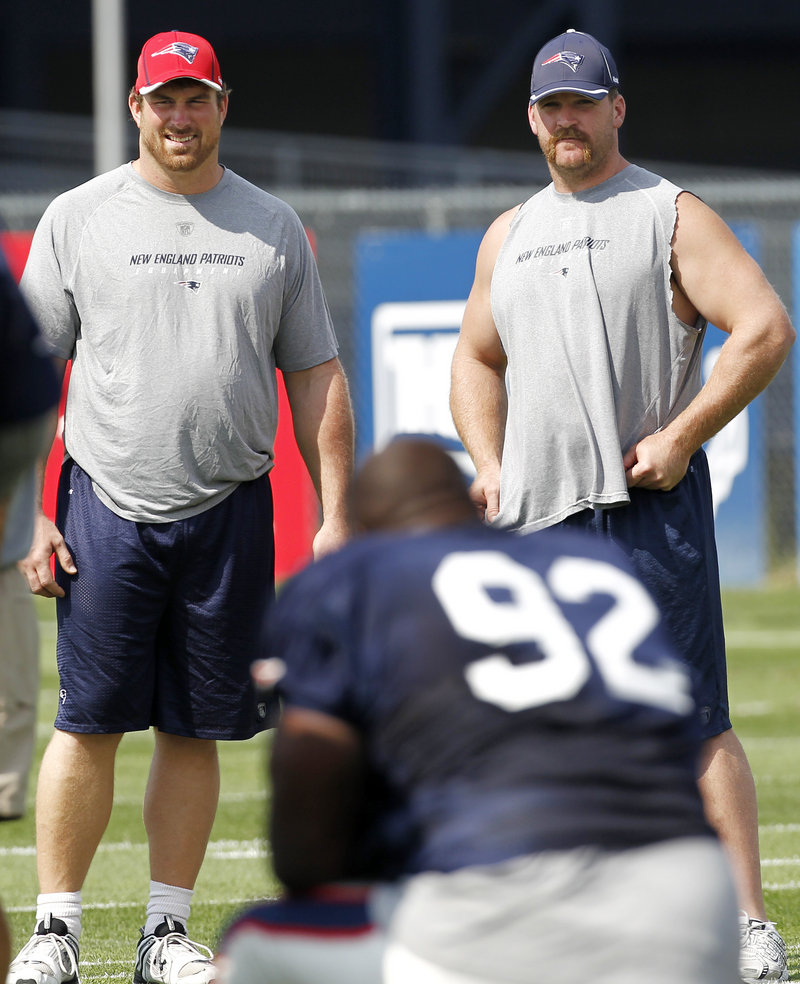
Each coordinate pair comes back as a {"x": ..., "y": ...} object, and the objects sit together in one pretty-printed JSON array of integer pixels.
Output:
[{"x": 462, "y": 583}]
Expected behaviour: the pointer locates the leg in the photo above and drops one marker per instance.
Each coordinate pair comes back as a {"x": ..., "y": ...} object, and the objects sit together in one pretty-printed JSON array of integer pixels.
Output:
[
  {"x": 179, "y": 807},
  {"x": 5, "y": 945},
  {"x": 19, "y": 688},
  {"x": 729, "y": 796},
  {"x": 73, "y": 804}
]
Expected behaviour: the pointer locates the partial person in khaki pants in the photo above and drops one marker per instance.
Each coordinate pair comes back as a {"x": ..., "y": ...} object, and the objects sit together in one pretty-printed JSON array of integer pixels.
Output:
[
  {"x": 29, "y": 391},
  {"x": 19, "y": 657}
]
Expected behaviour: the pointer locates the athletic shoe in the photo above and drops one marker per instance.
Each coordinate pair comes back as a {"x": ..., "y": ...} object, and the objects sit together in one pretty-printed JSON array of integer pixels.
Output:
[
  {"x": 168, "y": 956},
  {"x": 49, "y": 957},
  {"x": 762, "y": 952}
]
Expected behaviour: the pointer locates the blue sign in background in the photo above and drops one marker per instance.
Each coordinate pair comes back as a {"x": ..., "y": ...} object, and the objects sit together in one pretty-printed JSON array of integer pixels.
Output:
[
  {"x": 402, "y": 266},
  {"x": 397, "y": 266}
]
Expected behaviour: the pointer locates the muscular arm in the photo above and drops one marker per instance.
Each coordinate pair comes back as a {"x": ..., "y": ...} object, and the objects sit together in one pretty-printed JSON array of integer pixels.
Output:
[
  {"x": 714, "y": 276},
  {"x": 316, "y": 770},
  {"x": 478, "y": 400},
  {"x": 323, "y": 426}
]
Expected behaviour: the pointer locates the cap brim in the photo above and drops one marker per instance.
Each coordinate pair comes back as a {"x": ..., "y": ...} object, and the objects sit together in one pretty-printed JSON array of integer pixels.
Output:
[
  {"x": 594, "y": 92},
  {"x": 156, "y": 85}
]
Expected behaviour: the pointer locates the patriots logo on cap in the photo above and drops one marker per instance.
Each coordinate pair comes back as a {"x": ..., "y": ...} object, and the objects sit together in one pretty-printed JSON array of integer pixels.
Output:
[
  {"x": 181, "y": 48},
  {"x": 569, "y": 58}
]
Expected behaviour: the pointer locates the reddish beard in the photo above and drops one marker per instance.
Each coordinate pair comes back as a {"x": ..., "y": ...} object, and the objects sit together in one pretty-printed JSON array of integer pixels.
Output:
[
  {"x": 567, "y": 133},
  {"x": 175, "y": 158}
]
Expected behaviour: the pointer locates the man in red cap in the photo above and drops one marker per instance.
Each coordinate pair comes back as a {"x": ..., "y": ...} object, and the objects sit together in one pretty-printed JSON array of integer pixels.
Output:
[{"x": 176, "y": 288}]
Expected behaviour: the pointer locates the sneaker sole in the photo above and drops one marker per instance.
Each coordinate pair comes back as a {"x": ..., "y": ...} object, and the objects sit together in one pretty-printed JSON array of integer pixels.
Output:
[{"x": 31, "y": 980}]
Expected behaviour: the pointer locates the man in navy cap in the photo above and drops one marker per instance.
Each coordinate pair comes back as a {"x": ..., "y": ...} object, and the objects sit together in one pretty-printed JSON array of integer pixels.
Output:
[{"x": 576, "y": 389}]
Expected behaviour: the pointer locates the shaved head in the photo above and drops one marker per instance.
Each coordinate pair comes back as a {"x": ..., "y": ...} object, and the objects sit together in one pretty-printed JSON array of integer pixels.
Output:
[{"x": 411, "y": 484}]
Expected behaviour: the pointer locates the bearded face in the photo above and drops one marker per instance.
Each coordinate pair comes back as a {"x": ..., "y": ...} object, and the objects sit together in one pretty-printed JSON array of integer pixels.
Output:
[
  {"x": 179, "y": 128},
  {"x": 577, "y": 135}
]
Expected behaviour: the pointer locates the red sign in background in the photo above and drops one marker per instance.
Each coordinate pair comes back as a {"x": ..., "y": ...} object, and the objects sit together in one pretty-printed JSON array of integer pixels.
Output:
[{"x": 296, "y": 508}]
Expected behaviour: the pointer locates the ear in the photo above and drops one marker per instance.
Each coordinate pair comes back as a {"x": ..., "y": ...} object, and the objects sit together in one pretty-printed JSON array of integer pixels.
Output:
[
  {"x": 532, "y": 119},
  {"x": 619, "y": 111},
  {"x": 223, "y": 110},
  {"x": 135, "y": 108}
]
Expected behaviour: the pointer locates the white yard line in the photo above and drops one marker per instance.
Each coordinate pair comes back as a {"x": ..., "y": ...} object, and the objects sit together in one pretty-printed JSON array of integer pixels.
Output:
[
  {"x": 257, "y": 847},
  {"x": 196, "y": 903},
  {"x": 220, "y": 849},
  {"x": 762, "y": 638},
  {"x": 248, "y": 796}
]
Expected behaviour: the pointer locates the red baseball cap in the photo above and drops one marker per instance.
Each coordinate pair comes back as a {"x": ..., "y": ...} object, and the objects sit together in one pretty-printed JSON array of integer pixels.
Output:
[{"x": 176, "y": 55}]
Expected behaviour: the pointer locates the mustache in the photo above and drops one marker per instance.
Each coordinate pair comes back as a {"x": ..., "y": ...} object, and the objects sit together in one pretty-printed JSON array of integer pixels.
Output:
[{"x": 567, "y": 133}]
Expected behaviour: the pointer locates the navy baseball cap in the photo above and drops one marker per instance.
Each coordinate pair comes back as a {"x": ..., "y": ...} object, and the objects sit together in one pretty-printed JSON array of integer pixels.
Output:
[{"x": 573, "y": 62}]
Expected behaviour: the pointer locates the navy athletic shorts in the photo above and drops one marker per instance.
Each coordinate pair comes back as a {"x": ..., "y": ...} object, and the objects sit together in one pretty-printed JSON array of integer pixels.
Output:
[
  {"x": 669, "y": 537},
  {"x": 162, "y": 621}
]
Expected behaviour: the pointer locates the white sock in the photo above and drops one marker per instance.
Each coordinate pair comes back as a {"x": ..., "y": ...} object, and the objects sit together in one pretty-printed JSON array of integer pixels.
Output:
[
  {"x": 167, "y": 900},
  {"x": 62, "y": 905}
]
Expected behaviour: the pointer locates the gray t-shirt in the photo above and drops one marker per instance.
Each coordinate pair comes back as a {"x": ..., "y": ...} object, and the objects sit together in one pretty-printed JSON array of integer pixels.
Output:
[
  {"x": 597, "y": 359},
  {"x": 175, "y": 310}
]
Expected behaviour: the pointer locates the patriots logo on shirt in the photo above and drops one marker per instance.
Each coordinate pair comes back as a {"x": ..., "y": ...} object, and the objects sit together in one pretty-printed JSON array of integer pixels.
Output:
[
  {"x": 192, "y": 285},
  {"x": 569, "y": 58},
  {"x": 181, "y": 48}
]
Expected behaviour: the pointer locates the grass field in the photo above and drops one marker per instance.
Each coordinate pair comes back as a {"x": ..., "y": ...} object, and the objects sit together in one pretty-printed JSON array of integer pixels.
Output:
[{"x": 764, "y": 659}]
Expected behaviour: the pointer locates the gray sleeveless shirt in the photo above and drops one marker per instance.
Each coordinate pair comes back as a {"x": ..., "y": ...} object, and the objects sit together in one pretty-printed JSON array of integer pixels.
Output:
[{"x": 597, "y": 359}]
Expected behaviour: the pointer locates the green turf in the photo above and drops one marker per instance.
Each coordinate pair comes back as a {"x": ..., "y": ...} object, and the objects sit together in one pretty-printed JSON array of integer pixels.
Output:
[
  {"x": 236, "y": 869},
  {"x": 763, "y": 632},
  {"x": 764, "y": 658}
]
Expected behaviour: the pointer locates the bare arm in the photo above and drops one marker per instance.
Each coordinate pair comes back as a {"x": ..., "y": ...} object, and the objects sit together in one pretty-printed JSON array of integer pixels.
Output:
[
  {"x": 478, "y": 399},
  {"x": 715, "y": 277},
  {"x": 323, "y": 427},
  {"x": 316, "y": 770}
]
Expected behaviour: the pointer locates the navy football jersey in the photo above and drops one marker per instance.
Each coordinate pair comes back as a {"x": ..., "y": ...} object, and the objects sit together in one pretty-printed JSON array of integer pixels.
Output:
[{"x": 514, "y": 693}]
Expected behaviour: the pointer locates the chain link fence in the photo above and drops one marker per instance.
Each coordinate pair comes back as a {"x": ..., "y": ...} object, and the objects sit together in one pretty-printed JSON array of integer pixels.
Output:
[{"x": 344, "y": 189}]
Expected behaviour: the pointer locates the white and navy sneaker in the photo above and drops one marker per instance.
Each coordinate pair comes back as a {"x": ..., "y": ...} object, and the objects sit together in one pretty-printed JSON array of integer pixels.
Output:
[
  {"x": 49, "y": 957},
  {"x": 168, "y": 956},
  {"x": 762, "y": 952}
]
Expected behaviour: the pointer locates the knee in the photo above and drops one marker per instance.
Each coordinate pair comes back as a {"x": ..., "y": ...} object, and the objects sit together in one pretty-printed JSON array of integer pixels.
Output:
[{"x": 197, "y": 749}]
